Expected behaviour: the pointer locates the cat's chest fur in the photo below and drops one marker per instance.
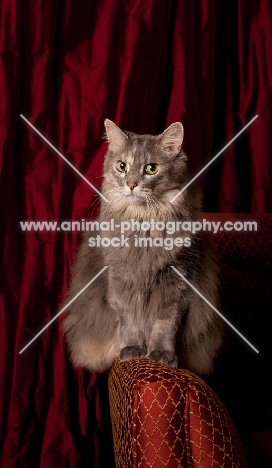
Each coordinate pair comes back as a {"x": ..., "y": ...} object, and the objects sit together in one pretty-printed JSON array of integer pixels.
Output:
[
  {"x": 139, "y": 306},
  {"x": 141, "y": 252}
]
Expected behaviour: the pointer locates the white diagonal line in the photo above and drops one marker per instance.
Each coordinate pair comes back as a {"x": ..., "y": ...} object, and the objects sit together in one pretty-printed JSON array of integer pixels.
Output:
[
  {"x": 213, "y": 159},
  {"x": 63, "y": 157},
  {"x": 217, "y": 311},
  {"x": 62, "y": 310}
]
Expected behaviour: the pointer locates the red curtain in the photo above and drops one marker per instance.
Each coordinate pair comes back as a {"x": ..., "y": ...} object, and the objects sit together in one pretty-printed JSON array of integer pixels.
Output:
[{"x": 67, "y": 65}]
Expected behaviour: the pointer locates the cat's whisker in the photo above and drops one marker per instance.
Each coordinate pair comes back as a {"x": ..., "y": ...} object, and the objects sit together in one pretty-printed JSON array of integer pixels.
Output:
[
  {"x": 113, "y": 190},
  {"x": 145, "y": 190},
  {"x": 161, "y": 208},
  {"x": 92, "y": 213},
  {"x": 157, "y": 207},
  {"x": 93, "y": 205},
  {"x": 120, "y": 315},
  {"x": 110, "y": 206},
  {"x": 153, "y": 201},
  {"x": 107, "y": 209},
  {"x": 96, "y": 198},
  {"x": 151, "y": 204},
  {"x": 147, "y": 203}
]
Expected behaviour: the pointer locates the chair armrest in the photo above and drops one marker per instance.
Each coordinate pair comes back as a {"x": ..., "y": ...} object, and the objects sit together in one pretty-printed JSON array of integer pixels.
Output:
[{"x": 165, "y": 417}]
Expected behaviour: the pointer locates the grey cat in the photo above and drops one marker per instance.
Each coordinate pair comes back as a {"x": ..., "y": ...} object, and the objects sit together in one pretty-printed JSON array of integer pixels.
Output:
[{"x": 139, "y": 306}]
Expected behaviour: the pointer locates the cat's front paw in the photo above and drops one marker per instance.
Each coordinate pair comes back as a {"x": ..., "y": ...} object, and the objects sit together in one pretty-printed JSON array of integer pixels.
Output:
[
  {"x": 165, "y": 357},
  {"x": 131, "y": 352}
]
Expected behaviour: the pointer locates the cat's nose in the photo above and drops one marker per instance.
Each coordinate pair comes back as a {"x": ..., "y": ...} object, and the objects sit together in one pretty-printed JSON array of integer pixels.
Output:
[{"x": 132, "y": 186}]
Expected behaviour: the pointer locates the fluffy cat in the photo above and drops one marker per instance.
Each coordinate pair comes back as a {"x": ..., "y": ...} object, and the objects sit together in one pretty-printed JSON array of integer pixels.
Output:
[{"x": 139, "y": 306}]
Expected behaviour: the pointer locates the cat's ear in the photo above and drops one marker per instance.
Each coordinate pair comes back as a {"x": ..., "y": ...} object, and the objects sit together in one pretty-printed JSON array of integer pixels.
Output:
[
  {"x": 171, "y": 139},
  {"x": 114, "y": 136}
]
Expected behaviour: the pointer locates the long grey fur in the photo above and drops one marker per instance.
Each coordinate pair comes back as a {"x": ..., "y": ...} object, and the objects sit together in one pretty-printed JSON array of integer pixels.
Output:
[{"x": 139, "y": 307}]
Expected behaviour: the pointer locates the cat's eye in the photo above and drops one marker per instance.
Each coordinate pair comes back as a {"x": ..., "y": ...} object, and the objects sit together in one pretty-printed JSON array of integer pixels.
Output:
[
  {"x": 151, "y": 168},
  {"x": 121, "y": 166}
]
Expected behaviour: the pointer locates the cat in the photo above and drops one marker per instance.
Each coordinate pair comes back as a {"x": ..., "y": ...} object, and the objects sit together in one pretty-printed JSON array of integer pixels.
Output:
[{"x": 139, "y": 306}]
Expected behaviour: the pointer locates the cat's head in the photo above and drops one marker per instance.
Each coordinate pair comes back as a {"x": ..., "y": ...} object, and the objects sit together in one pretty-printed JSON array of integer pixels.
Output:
[{"x": 143, "y": 169}]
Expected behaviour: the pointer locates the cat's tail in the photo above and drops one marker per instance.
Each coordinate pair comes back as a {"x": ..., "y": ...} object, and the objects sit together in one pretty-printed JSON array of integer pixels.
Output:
[
  {"x": 90, "y": 346},
  {"x": 202, "y": 336}
]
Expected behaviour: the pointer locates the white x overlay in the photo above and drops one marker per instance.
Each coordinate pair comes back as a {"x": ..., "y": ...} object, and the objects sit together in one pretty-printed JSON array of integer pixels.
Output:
[
  {"x": 213, "y": 159},
  {"x": 63, "y": 157},
  {"x": 64, "y": 308},
  {"x": 217, "y": 311},
  {"x": 103, "y": 269}
]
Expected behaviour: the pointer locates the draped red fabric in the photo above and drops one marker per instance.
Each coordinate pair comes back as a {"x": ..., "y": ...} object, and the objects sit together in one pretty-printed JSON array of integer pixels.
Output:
[{"x": 67, "y": 65}]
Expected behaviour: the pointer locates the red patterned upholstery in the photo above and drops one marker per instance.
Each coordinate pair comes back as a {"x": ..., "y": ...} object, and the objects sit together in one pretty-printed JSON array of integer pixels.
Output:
[
  {"x": 170, "y": 418},
  {"x": 165, "y": 417}
]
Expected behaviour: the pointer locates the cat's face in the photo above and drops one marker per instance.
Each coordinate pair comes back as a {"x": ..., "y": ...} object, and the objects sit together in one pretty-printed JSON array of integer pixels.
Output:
[{"x": 143, "y": 169}]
